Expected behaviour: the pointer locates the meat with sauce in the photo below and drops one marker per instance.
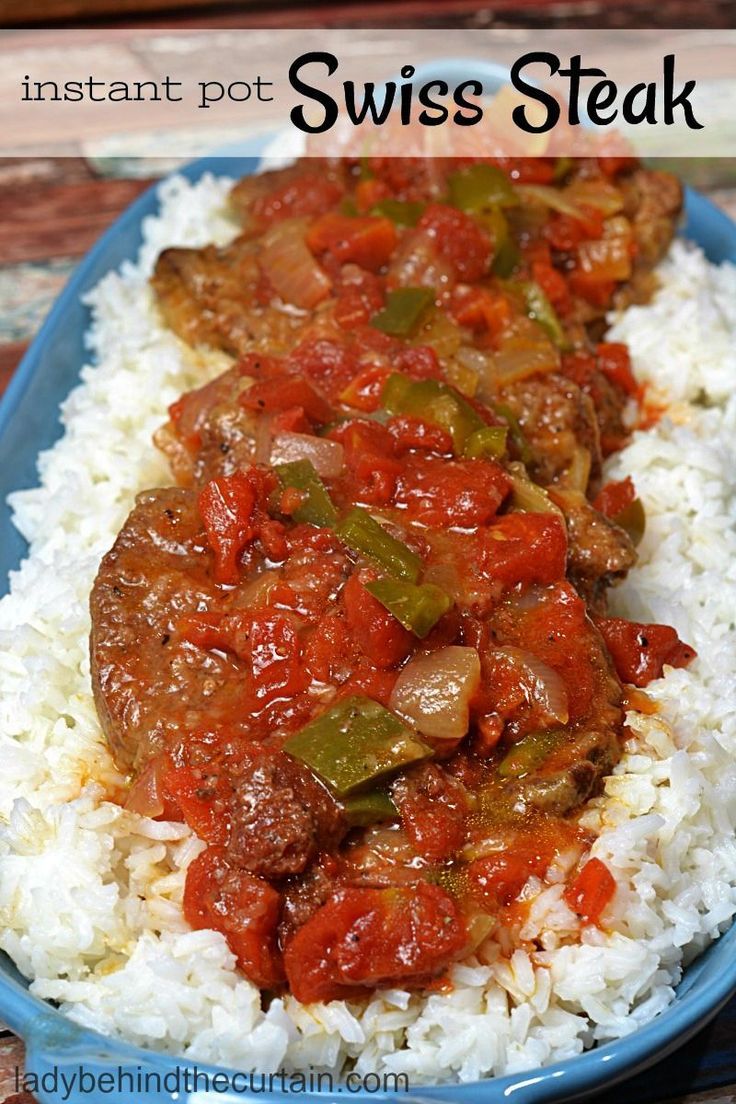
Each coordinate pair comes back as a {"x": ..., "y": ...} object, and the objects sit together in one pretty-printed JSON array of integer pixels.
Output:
[
  {"x": 559, "y": 424},
  {"x": 156, "y": 572},
  {"x": 281, "y": 815},
  {"x": 600, "y": 552},
  {"x": 209, "y": 432},
  {"x": 271, "y": 646},
  {"x": 210, "y": 297}
]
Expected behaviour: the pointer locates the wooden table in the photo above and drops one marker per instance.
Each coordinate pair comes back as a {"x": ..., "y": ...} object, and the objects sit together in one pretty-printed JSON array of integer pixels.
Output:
[{"x": 51, "y": 211}]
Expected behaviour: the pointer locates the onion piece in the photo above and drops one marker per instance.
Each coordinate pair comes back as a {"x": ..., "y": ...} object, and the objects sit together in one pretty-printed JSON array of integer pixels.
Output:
[
  {"x": 542, "y": 685},
  {"x": 291, "y": 269},
  {"x": 606, "y": 259},
  {"x": 599, "y": 194},
  {"x": 144, "y": 796},
  {"x": 418, "y": 263},
  {"x": 434, "y": 690},
  {"x": 262, "y": 449},
  {"x": 553, "y": 198},
  {"x": 327, "y": 457}
]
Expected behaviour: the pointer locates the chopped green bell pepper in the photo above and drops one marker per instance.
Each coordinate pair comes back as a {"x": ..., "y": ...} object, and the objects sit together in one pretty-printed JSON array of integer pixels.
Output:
[
  {"x": 527, "y": 495},
  {"x": 481, "y": 186},
  {"x": 541, "y": 310},
  {"x": 356, "y": 744},
  {"x": 517, "y": 434},
  {"x": 404, "y": 310},
  {"x": 418, "y": 608},
  {"x": 363, "y": 534},
  {"x": 317, "y": 507},
  {"x": 372, "y": 807},
  {"x": 399, "y": 211},
  {"x": 488, "y": 441},
  {"x": 434, "y": 402},
  {"x": 530, "y": 752},
  {"x": 505, "y": 259},
  {"x": 563, "y": 165}
]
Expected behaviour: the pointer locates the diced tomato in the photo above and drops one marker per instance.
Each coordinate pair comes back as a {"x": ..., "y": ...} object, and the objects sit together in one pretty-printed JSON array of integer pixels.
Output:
[
  {"x": 365, "y": 241},
  {"x": 366, "y": 680},
  {"x": 226, "y": 505},
  {"x": 374, "y": 937},
  {"x": 614, "y": 361},
  {"x": 565, "y": 232},
  {"x": 640, "y": 651},
  {"x": 203, "y": 629},
  {"x": 370, "y": 192},
  {"x": 364, "y": 390},
  {"x": 482, "y": 309},
  {"x": 613, "y": 498},
  {"x": 378, "y": 634},
  {"x": 245, "y": 909},
  {"x": 415, "y": 434},
  {"x": 612, "y": 166},
  {"x": 497, "y": 879},
  {"x": 459, "y": 239},
  {"x": 329, "y": 365},
  {"x": 265, "y": 638},
  {"x": 527, "y": 170},
  {"x": 272, "y": 535},
  {"x": 198, "y": 800},
  {"x": 359, "y": 296},
  {"x": 328, "y": 648},
  {"x": 553, "y": 284},
  {"x": 284, "y": 393},
  {"x": 306, "y": 195},
  {"x": 596, "y": 292},
  {"x": 591, "y": 890},
  {"x": 292, "y": 420},
  {"x": 526, "y": 548},
  {"x": 418, "y": 361},
  {"x": 461, "y": 493},
  {"x": 434, "y": 817},
  {"x": 371, "y": 467},
  {"x": 556, "y": 628},
  {"x": 269, "y": 640}
]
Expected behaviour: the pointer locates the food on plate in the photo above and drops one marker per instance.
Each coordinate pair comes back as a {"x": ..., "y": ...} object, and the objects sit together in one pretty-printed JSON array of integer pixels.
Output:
[
  {"x": 377, "y": 601},
  {"x": 394, "y": 752}
]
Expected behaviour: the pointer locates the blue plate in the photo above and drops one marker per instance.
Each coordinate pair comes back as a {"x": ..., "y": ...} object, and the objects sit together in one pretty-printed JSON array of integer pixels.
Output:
[{"x": 28, "y": 424}]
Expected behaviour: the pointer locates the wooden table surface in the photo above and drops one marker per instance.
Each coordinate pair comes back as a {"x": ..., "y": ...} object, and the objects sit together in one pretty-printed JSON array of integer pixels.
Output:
[{"x": 51, "y": 211}]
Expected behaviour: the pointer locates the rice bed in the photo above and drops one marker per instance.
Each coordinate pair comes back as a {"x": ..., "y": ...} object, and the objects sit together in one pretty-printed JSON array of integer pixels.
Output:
[{"x": 90, "y": 895}]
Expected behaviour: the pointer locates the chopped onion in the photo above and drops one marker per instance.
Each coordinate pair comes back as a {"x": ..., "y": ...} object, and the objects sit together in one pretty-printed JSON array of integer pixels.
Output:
[
  {"x": 599, "y": 194},
  {"x": 291, "y": 269},
  {"x": 418, "y": 263},
  {"x": 606, "y": 259},
  {"x": 553, "y": 198},
  {"x": 144, "y": 796},
  {"x": 327, "y": 457},
  {"x": 434, "y": 690},
  {"x": 262, "y": 450},
  {"x": 544, "y": 687},
  {"x": 577, "y": 475},
  {"x": 525, "y": 350}
]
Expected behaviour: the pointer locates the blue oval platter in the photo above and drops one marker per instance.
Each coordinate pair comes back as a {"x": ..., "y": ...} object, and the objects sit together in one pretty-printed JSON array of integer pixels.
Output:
[{"x": 29, "y": 423}]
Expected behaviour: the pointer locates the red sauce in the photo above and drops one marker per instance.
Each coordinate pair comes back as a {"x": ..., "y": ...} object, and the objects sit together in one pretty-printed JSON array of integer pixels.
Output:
[{"x": 263, "y": 611}]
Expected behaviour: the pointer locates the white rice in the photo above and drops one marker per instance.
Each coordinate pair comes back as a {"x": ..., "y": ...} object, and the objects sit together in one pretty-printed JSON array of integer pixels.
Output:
[{"x": 90, "y": 895}]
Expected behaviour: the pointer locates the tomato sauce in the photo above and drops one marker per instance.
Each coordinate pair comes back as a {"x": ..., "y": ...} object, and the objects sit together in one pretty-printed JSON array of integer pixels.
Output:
[{"x": 363, "y": 648}]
